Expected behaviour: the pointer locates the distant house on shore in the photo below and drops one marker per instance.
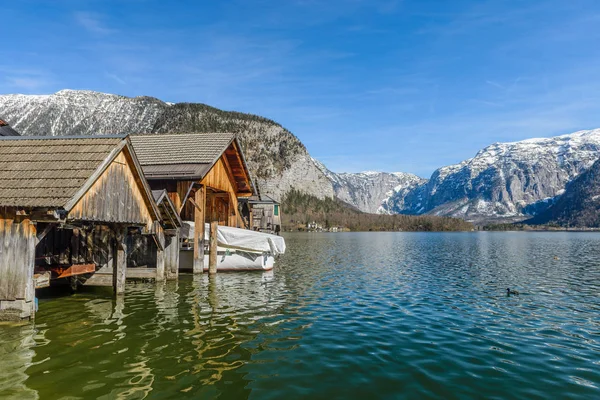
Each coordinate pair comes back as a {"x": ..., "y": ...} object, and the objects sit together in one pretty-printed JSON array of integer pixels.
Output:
[
  {"x": 264, "y": 213},
  {"x": 6, "y": 130}
]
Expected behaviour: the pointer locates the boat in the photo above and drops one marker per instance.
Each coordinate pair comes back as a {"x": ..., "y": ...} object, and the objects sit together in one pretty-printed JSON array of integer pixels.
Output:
[{"x": 237, "y": 249}]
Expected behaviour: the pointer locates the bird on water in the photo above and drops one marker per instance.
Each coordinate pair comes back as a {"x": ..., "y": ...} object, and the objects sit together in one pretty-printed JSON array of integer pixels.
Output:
[{"x": 509, "y": 292}]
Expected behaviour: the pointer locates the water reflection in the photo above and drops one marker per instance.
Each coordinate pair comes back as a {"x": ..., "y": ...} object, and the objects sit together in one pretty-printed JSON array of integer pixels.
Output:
[{"x": 417, "y": 315}]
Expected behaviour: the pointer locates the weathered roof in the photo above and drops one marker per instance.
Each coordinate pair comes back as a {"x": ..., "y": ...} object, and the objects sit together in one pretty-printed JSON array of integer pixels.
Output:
[
  {"x": 191, "y": 148},
  {"x": 182, "y": 171},
  {"x": 6, "y": 130},
  {"x": 49, "y": 171},
  {"x": 262, "y": 199}
]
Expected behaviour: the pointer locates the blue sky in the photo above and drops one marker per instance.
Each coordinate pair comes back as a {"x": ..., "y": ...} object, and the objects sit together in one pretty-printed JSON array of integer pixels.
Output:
[{"x": 391, "y": 85}]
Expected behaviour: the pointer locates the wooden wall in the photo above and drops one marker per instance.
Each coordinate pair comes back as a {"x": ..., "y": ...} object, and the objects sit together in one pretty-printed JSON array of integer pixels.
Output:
[
  {"x": 17, "y": 257},
  {"x": 116, "y": 197},
  {"x": 222, "y": 209}
]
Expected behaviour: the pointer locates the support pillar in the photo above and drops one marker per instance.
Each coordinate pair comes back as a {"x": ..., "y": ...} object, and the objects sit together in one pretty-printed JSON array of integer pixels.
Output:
[
  {"x": 160, "y": 265},
  {"x": 199, "y": 212},
  {"x": 212, "y": 255},
  {"x": 17, "y": 262},
  {"x": 172, "y": 256},
  {"x": 120, "y": 260}
]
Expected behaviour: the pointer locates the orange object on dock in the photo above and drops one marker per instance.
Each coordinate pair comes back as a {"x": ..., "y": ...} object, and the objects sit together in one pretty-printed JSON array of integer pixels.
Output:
[{"x": 77, "y": 269}]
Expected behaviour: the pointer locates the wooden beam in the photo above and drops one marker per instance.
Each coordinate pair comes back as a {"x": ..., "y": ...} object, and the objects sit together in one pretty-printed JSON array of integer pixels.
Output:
[
  {"x": 212, "y": 255},
  {"x": 172, "y": 257},
  {"x": 199, "y": 215},
  {"x": 160, "y": 265},
  {"x": 187, "y": 196},
  {"x": 120, "y": 261}
]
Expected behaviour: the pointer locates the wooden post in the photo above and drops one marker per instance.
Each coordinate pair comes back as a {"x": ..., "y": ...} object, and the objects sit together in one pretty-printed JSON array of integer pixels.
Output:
[
  {"x": 120, "y": 260},
  {"x": 172, "y": 256},
  {"x": 160, "y": 265},
  {"x": 200, "y": 200},
  {"x": 17, "y": 262},
  {"x": 212, "y": 255}
]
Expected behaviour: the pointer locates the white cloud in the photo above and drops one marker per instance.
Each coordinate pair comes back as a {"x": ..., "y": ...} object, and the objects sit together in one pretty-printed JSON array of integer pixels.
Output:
[{"x": 92, "y": 22}]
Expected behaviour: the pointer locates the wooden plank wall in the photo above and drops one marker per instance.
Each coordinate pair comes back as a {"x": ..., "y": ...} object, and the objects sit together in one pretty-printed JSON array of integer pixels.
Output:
[
  {"x": 115, "y": 198},
  {"x": 224, "y": 209},
  {"x": 17, "y": 257}
]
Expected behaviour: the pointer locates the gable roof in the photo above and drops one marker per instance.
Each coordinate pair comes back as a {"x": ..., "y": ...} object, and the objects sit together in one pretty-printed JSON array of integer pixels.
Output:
[
  {"x": 190, "y": 148},
  {"x": 189, "y": 156},
  {"x": 55, "y": 172}
]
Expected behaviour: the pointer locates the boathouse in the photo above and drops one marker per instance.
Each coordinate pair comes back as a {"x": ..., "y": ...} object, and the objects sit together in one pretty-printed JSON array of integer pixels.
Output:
[
  {"x": 264, "y": 213},
  {"x": 71, "y": 207},
  {"x": 204, "y": 174}
]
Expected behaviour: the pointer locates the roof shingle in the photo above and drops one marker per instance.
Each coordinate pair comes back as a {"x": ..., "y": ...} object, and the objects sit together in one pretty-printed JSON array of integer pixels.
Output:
[
  {"x": 192, "y": 148},
  {"x": 48, "y": 172}
]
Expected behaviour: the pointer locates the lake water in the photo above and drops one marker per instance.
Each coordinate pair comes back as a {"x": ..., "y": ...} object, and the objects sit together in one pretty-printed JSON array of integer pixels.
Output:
[{"x": 343, "y": 315}]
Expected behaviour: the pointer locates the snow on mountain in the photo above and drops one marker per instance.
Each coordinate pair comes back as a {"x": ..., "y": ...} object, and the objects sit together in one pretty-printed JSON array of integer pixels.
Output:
[
  {"x": 368, "y": 190},
  {"x": 503, "y": 180},
  {"x": 276, "y": 158}
]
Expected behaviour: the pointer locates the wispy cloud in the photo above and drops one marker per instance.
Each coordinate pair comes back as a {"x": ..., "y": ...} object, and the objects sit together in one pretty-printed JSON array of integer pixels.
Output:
[
  {"x": 115, "y": 78},
  {"x": 27, "y": 80},
  {"x": 93, "y": 23}
]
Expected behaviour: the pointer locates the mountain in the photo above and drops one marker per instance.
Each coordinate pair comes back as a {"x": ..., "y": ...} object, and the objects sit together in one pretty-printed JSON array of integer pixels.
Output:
[
  {"x": 504, "y": 181},
  {"x": 368, "y": 190},
  {"x": 579, "y": 206},
  {"x": 276, "y": 157}
]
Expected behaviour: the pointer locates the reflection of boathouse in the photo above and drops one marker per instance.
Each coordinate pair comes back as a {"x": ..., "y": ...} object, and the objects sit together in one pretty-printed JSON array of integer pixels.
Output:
[
  {"x": 204, "y": 175},
  {"x": 71, "y": 208}
]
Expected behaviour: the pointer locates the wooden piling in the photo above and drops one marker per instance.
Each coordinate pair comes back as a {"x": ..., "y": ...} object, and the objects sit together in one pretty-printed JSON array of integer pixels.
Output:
[
  {"x": 172, "y": 256},
  {"x": 199, "y": 212},
  {"x": 212, "y": 255},
  {"x": 120, "y": 261},
  {"x": 17, "y": 260},
  {"x": 160, "y": 265}
]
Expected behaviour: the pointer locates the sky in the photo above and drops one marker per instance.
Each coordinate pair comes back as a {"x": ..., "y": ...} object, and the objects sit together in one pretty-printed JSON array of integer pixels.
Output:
[{"x": 389, "y": 85}]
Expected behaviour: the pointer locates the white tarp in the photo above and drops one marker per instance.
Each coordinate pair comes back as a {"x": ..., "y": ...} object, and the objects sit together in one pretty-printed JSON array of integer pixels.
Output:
[{"x": 243, "y": 239}]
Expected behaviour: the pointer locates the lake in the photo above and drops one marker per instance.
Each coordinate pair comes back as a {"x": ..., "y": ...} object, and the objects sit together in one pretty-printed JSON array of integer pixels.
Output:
[{"x": 343, "y": 315}]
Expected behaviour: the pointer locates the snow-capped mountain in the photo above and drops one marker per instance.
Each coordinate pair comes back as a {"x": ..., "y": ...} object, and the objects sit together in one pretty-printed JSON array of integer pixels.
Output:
[
  {"x": 504, "y": 180},
  {"x": 276, "y": 157},
  {"x": 368, "y": 190},
  {"x": 579, "y": 206}
]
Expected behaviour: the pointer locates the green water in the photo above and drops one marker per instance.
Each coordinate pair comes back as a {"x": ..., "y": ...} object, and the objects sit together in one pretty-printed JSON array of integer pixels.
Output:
[{"x": 346, "y": 315}]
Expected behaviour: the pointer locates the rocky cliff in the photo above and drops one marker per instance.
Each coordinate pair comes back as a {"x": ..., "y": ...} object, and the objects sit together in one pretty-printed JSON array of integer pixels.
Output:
[
  {"x": 579, "y": 206},
  {"x": 504, "y": 181},
  {"x": 369, "y": 190}
]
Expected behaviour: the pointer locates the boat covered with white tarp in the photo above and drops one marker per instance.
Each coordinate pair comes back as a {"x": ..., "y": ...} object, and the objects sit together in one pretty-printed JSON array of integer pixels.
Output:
[{"x": 237, "y": 249}]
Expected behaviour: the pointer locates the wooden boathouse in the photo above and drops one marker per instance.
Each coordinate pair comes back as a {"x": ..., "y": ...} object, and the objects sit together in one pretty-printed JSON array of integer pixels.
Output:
[
  {"x": 264, "y": 213},
  {"x": 71, "y": 207},
  {"x": 204, "y": 174}
]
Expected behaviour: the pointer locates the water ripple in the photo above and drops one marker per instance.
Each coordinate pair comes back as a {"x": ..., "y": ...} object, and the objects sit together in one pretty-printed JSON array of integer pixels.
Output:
[{"x": 379, "y": 315}]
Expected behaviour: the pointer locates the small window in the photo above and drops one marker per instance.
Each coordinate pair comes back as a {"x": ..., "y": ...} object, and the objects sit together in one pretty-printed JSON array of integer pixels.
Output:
[{"x": 276, "y": 209}]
